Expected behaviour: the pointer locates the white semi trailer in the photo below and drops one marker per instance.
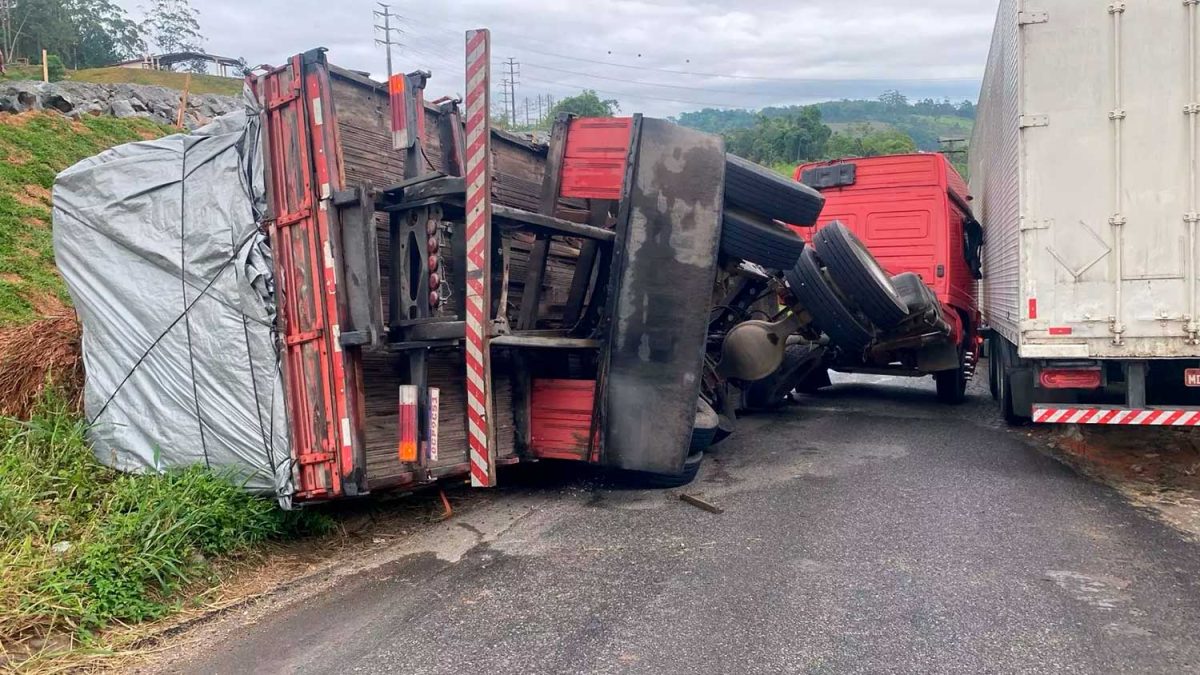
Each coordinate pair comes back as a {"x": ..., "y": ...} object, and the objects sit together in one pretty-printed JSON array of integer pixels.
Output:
[{"x": 1084, "y": 173}]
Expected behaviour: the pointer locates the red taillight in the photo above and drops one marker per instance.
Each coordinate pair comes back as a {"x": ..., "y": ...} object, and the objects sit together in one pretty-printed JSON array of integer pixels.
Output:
[
  {"x": 409, "y": 432},
  {"x": 1070, "y": 379}
]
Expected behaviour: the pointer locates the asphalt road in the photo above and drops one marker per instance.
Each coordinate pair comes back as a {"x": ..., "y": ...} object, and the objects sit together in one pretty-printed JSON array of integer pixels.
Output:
[{"x": 868, "y": 529}]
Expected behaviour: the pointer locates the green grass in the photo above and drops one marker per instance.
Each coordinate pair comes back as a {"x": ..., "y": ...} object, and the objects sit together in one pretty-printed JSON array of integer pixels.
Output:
[
  {"x": 22, "y": 73},
  {"x": 34, "y": 147},
  {"x": 83, "y": 547},
  {"x": 200, "y": 84}
]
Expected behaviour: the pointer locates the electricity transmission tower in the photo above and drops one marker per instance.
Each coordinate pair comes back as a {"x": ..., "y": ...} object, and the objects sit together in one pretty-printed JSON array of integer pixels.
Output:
[
  {"x": 385, "y": 13},
  {"x": 514, "y": 71},
  {"x": 505, "y": 101}
]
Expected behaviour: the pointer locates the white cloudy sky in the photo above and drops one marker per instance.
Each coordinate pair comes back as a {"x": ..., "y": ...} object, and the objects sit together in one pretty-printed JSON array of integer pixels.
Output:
[{"x": 769, "y": 52}]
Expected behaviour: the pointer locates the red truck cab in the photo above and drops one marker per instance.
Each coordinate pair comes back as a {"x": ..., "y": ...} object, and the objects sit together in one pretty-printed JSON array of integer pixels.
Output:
[{"x": 912, "y": 212}]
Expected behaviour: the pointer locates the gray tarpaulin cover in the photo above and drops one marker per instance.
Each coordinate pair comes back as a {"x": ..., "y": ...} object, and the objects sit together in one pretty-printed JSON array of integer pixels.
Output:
[{"x": 160, "y": 248}]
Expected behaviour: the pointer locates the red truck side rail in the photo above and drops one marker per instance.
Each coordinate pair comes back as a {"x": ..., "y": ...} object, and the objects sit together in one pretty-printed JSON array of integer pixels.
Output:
[{"x": 303, "y": 174}]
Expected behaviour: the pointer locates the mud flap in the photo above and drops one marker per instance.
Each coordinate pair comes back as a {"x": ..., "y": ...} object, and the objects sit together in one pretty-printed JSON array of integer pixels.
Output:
[{"x": 668, "y": 230}]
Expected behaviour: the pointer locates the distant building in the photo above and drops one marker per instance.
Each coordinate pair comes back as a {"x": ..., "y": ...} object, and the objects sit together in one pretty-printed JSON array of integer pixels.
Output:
[{"x": 223, "y": 65}]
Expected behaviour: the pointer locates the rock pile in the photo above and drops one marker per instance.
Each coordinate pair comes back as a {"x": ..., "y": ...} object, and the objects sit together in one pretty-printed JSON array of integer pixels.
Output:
[{"x": 76, "y": 99}]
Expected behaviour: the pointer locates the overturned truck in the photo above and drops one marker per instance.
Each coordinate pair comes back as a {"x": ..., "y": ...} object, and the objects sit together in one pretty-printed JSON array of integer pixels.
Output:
[{"x": 347, "y": 289}]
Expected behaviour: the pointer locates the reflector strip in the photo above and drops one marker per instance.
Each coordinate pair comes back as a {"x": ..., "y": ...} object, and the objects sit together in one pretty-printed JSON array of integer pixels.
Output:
[
  {"x": 478, "y": 228},
  {"x": 1116, "y": 416},
  {"x": 435, "y": 406}
]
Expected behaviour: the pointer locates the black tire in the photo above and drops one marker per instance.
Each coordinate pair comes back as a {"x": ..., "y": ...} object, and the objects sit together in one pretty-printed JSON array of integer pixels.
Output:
[
  {"x": 765, "y": 192},
  {"x": 703, "y": 435},
  {"x": 817, "y": 380},
  {"x": 748, "y": 237},
  {"x": 993, "y": 384},
  {"x": 1004, "y": 384},
  {"x": 771, "y": 392},
  {"x": 828, "y": 312},
  {"x": 951, "y": 386},
  {"x": 663, "y": 481},
  {"x": 859, "y": 275}
]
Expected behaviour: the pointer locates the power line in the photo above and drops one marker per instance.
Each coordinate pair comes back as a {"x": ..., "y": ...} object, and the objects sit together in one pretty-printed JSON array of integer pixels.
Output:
[
  {"x": 638, "y": 95},
  {"x": 750, "y": 77},
  {"x": 427, "y": 25},
  {"x": 638, "y": 82}
]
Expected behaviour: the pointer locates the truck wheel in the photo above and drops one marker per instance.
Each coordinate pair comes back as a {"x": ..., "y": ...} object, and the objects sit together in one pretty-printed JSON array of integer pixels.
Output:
[
  {"x": 761, "y": 190},
  {"x": 993, "y": 385},
  {"x": 748, "y": 237},
  {"x": 951, "y": 385},
  {"x": 859, "y": 275},
  {"x": 703, "y": 434},
  {"x": 1004, "y": 384},
  {"x": 829, "y": 314},
  {"x": 817, "y": 380},
  {"x": 771, "y": 392}
]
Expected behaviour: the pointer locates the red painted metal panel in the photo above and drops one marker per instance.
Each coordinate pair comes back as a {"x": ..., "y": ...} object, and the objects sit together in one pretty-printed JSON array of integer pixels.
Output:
[
  {"x": 560, "y": 421},
  {"x": 304, "y": 170},
  {"x": 899, "y": 207},
  {"x": 595, "y": 158}
]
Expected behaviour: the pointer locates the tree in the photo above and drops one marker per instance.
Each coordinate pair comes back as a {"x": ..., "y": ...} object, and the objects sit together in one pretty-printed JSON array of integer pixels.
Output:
[
  {"x": 586, "y": 104},
  {"x": 105, "y": 34},
  {"x": 796, "y": 137},
  {"x": 84, "y": 33},
  {"x": 172, "y": 26},
  {"x": 893, "y": 99},
  {"x": 54, "y": 68},
  {"x": 864, "y": 140}
]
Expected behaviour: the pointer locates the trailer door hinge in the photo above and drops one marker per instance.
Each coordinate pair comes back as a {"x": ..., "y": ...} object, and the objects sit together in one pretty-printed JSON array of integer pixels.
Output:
[
  {"x": 1027, "y": 121},
  {"x": 1032, "y": 16}
]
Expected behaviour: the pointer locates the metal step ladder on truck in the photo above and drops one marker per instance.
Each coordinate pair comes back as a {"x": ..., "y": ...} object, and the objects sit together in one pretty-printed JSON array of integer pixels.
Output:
[
  {"x": 912, "y": 213},
  {"x": 454, "y": 298},
  {"x": 1084, "y": 165}
]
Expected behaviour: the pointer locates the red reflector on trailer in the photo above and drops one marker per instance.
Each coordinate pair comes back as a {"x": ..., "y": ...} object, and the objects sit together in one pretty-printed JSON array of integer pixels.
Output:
[
  {"x": 409, "y": 431},
  {"x": 1060, "y": 330},
  {"x": 1033, "y": 308},
  {"x": 1070, "y": 378}
]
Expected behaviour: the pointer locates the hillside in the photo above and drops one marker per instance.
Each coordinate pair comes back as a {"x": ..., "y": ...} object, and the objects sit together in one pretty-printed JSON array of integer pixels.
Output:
[
  {"x": 34, "y": 147},
  {"x": 924, "y": 121}
]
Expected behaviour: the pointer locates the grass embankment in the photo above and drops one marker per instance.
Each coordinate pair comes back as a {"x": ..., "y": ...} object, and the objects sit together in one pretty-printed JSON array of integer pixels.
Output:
[
  {"x": 200, "y": 84},
  {"x": 83, "y": 547},
  {"x": 34, "y": 147}
]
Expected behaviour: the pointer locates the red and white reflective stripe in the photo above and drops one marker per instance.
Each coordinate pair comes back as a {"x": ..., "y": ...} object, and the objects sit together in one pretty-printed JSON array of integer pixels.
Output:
[
  {"x": 478, "y": 181},
  {"x": 1111, "y": 416}
]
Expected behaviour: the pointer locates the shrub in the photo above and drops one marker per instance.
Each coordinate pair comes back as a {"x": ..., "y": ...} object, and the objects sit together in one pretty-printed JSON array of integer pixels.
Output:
[{"x": 55, "y": 68}]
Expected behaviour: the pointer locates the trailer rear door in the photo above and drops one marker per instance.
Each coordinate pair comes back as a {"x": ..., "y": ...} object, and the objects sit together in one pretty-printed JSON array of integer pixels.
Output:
[{"x": 320, "y": 376}]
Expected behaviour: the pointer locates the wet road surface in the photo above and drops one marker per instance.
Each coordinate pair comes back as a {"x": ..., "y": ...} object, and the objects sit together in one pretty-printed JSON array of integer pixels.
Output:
[{"x": 867, "y": 529}]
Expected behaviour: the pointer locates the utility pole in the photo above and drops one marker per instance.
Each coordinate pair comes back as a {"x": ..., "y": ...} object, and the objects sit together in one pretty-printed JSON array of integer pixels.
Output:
[
  {"x": 514, "y": 71},
  {"x": 526, "y": 111},
  {"x": 539, "y": 117},
  {"x": 385, "y": 12}
]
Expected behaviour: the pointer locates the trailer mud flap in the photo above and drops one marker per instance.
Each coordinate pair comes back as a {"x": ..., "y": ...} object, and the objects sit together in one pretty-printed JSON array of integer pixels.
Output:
[{"x": 668, "y": 231}]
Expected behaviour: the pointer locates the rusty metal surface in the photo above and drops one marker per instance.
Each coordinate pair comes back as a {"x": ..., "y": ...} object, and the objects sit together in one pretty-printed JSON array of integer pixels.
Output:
[{"x": 668, "y": 232}]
